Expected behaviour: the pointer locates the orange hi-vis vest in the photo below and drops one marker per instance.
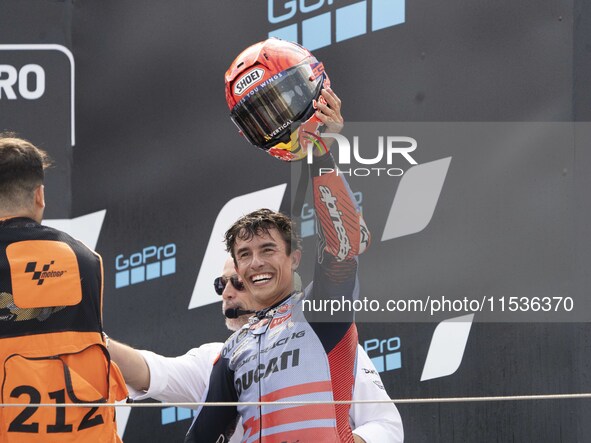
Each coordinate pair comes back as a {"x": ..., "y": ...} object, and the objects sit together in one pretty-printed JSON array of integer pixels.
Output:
[{"x": 51, "y": 344}]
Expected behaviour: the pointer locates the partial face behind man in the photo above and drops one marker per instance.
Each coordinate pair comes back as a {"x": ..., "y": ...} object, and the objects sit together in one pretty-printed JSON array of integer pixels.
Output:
[{"x": 235, "y": 296}]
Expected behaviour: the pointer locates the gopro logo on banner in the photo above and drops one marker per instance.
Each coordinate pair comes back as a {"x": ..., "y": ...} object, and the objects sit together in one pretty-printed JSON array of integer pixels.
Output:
[
  {"x": 248, "y": 80},
  {"x": 349, "y": 21},
  {"x": 389, "y": 356},
  {"x": 28, "y": 80},
  {"x": 173, "y": 414},
  {"x": 150, "y": 263}
]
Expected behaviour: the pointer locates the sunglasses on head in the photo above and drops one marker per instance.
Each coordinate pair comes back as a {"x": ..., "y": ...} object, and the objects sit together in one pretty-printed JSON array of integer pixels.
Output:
[{"x": 220, "y": 284}]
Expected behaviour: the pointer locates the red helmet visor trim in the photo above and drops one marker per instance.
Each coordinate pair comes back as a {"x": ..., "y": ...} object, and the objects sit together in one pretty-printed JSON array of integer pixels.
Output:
[{"x": 265, "y": 115}]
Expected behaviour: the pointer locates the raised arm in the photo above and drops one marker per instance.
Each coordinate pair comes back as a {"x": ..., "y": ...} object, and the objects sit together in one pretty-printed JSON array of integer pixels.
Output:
[{"x": 342, "y": 227}]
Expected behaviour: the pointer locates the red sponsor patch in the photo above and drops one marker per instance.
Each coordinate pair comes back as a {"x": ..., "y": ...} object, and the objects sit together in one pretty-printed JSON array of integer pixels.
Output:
[
  {"x": 260, "y": 324},
  {"x": 279, "y": 320},
  {"x": 283, "y": 309}
]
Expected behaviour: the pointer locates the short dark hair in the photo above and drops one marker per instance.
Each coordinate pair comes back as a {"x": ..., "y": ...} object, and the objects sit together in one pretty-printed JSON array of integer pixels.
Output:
[
  {"x": 22, "y": 167},
  {"x": 260, "y": 222}
]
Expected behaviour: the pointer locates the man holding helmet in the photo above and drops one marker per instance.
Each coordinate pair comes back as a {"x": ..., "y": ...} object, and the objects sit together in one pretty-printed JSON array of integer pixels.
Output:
[
  {"x": 275, "y": 92},
  {"x": 274, "y": 86}
]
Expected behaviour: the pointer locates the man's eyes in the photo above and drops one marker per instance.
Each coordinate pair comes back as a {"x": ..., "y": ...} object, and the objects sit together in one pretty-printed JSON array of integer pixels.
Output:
[{"x": 265, "y": 250}]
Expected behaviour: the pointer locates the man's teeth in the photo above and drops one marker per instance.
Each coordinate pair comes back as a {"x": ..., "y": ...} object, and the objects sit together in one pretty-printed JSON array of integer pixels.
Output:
[{"x": 261, "y": 277}]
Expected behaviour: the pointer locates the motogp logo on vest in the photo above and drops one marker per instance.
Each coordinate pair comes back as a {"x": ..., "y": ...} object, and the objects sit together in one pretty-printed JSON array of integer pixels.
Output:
[{"x": 44, "y": 273}]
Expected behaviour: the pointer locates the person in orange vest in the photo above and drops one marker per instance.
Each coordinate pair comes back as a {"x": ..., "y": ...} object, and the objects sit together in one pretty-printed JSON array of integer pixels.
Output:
[{"x": 51, "y": 344}]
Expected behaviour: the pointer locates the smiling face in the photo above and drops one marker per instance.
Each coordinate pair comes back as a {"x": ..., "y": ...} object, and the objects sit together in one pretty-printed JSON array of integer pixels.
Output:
[{"x": 265, "y": 266}]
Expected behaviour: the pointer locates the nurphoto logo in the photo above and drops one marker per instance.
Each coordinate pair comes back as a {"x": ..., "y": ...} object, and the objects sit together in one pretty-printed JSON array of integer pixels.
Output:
[{"x": 389, "y": 148}]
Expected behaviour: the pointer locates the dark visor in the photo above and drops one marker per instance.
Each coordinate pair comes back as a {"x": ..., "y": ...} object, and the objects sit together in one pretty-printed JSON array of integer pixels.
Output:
[{"x": 268, "y": 113}]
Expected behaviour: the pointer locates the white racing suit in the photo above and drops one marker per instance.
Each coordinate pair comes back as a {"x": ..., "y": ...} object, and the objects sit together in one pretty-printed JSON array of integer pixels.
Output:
[
  {"x": 185, "y": 379},
  {"x": 286, "y": 354}
]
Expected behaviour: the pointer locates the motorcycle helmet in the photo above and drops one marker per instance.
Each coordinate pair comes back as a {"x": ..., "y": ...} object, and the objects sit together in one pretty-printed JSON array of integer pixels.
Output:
[{"x": 271, "y": 90}]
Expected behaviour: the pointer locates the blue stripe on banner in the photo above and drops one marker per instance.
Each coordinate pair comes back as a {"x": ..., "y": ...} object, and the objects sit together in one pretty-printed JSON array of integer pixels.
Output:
[{"x": 351, "y": 21}]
